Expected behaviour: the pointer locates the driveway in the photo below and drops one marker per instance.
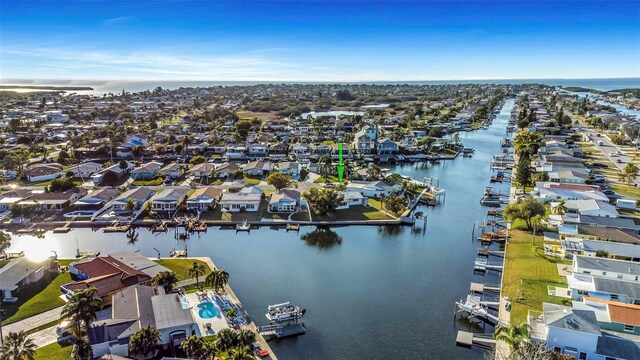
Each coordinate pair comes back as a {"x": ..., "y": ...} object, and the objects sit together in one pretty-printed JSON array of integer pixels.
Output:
[{"x": 34, "y": 321}]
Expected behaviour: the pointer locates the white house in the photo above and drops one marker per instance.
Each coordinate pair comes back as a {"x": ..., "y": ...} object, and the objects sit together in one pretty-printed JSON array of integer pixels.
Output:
[
  {"x": 21, "y": 272},
  {"x": 168, "y": 199},
  {"x": 248, "y": 199},
  {"x": 617, "y": 269},
  {"x": 374, "y": 188},
  {"x": 204, "y": 199},
  {"x": 352, "y": 198},
  {"x": 55, "y": 116},
  {"x": 85, "y": 170},
  {"x": 592, "y": 208},
  {"x": 139, "y": 195},
  {"x": 43, "y": 172},
  {"x": 285, "y": 200}
]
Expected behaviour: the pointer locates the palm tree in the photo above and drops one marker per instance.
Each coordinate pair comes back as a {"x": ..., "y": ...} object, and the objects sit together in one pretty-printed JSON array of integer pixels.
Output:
[
  {"x": 194, "y": 347},
  {"x": 217, "y": 279},
  {"x": 513, "y": 335},
  {"x": 82, "y": 350},
  {"x": 241, "y": 353},
  {"x": 83, "y": 305},
  {"x": 166, "y": 279},
  {"x": 560, "y": 208},
  {"x": 629, "y": 173},
  {"x": 246, "y": 337},
  {"x": 143, "y": 342},
  {"x": 527, "y": 143},
  {"x": 225, "y": 339},
  {"x": 130, "y": 205},
  {"x": 231, "y": 313},
  {"x": 196, "y": 271},
  {"x": 17, "y": 346},
  {"x": 325, "y": 163}
]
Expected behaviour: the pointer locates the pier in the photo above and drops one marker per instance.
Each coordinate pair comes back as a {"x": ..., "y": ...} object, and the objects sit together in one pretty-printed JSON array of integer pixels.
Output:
[
  {"x": 281, "y": 331},
  {"x": 468, "y": 339}
]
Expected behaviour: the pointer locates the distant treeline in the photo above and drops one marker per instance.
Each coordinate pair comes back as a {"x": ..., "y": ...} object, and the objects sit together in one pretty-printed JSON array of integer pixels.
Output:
[
  {"x": 634, "y": 91},
  {"x": 43, "y": 87}
]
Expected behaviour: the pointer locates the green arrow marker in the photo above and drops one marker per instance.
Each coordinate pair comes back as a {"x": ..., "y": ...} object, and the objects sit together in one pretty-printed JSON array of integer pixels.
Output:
[{"x": 340, "y": 166}]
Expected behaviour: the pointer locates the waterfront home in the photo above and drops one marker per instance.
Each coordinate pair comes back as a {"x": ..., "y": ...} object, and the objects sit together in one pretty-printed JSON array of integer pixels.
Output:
[
  {"x": 139, "y": 195},
  {"x": 247, "y": 199},
  {"x": 204, "y": 199},
  {"x": 606, "y": 234},
  {"x": 602, "y": 222},
  {"x": 588, "y": 247},
  {"x": 135, "y": 308},
  {"x": 20, "y": 272},
  {"x": 110, "y": 274},
  {"x": 386, "y": 147},
  {"x": 202, "y": 171},
  {"x": 352, "y": 198},
  {"x": 609, "y": 268},
  {"x": 225, "y": 170},
  {"x": 258, "y": 168},
  {"x": 43, "y": 172},
  {"x": 53, "y": 201},
  {"x": 168, "y": 199},
  {"x": 289, "y": 168},
  {"x": 285, "y": 200},
  {"x": 591, "y": 207},
  {"x": 146, "y": 171},
  {"x": 556, "y": 191},
  {"x": 566, "y": 330},
  {"x": 584, "y": 285},
  {"x": 12, "y": 197},
  {"x": 172, "y": 170},
  {"x": 97, "y": 198},
  {"x": 374, "y": 189}
]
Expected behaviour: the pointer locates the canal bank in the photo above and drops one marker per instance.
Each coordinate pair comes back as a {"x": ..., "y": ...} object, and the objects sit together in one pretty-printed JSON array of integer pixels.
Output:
[{"x": 376, "y": 292}]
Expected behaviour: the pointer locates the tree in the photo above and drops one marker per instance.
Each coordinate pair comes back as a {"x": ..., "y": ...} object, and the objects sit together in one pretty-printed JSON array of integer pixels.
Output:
[
  {"x": 226, "y": 339},
  {"x": 217, "y": 279},
  {"x": 241, "y": 353},
  {"x": 246, "y": 337},
  {"x": 197, "y": 160},
  {"x": 323, "y": 201},
  {"x": 325, "y": 164},
  {"x": 279, "y": 181},
  {"x": 60, "y": 185},
  {"x": 629, "y": 173},
  {"x": 396, "y": 204},
  {"x": 602, "y": 253},
  {"x": 130, "y": 205},
  {"x": 513, "y": 335},
  {"x": 560, "y": 208},
  {"x": 82, "y": 350},
  {"x": 143, "y": 343},
  {"x": 525, "y": 211},
  {"x": 527, "y": 142},
  {"x": 5, "y": 241},
  {"x": 196, "y": 271},
  {"x": 523, "y": 171},
  {"x": 166, "y": 279},
  {"x": 195, "y": 348},
  {"x": 83, "y": 305},
  {"x": 374, "y": 172},
  {"x": 123, "y": 165},
  {"x": 17, "y": 346}
]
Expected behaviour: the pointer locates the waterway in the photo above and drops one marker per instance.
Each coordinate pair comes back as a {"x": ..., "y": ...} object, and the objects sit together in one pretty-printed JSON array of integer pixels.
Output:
[{"x": 371, "y": 292}]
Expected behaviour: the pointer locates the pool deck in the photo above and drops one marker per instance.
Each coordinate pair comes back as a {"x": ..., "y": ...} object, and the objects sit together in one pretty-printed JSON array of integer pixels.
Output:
[{"x": 263, "y": 343}]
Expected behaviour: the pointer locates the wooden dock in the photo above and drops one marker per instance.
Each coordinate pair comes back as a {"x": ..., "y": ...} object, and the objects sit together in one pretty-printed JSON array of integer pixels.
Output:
[
  {"x": 468, "y": 339},
  {"x": 282, "y": 331}
]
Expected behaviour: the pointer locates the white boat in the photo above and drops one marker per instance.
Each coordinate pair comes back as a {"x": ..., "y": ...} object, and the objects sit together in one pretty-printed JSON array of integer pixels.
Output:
[
  {"x": 490, "y": 198},
  {"x": 284, "y": 312},
  {"x": 245, "y": 226}
]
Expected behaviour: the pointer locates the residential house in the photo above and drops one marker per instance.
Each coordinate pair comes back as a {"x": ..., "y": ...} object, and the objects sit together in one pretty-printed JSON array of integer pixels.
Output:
[
  {"x": 135, "y": 308},
  {"x": 585, "y": 285},
  {"x": 168, "y": 199},
  {"x": 591, "y": 207},
  {"x": 258, "y": 151},
  {"x": 97, "y": 198},
  {"x": 85, "y": 170},
  {"x": 374, "y": 189},
  {"x": 146, "y": 171},
  {"x": 568, "y": 177},
  {"x": 225, "y": 170},
  {"x": 258, "y": 168},
  {"x": 285, "y": 200},
  {"x": 204, "y": 199},
  {"x": 139, "y": 195},
  {"x": 609, "y": 268},
  {"x": 172, "y": 170},
  {"x": 247, "y": 199},
  {"x": 386, "y": 147},
  {"x": 43, "y": 172},
  {"x": 289, "y": 168},
  {"x": 98, "y": 177},
  {"x": 352, "y": 198},
  {"x": 49, "y": 201},
  {"x": 202, "y": 171},
  {"x": 19, "y": 273}
]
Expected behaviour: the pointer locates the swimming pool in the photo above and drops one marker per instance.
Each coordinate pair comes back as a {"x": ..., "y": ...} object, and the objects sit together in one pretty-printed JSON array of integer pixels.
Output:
[{"x": 207, "y": 310}]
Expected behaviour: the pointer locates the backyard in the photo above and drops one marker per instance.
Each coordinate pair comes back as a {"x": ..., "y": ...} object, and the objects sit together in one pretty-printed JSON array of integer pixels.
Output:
[
  {"x": 527, "y": 273},
  {"x": 181, "y": 267},
  {"x": 54, "y": 351}
]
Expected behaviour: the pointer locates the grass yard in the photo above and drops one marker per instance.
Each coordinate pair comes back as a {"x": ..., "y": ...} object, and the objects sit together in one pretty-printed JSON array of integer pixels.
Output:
[
  {"x": 377, "y": 204},
  {"x": 322, "y": 180},
  {"x": 37, "y": 298},
  {"x": 181, "y": 267},
  {"x": 626, "y": 190},
  {"x": 153, "y": 182},
  {"x": 54, "y": 351},
  {"x": 356, "y": 213},
  {"x": 527, "y": 273},
  {"x": 252, "y": 180}
]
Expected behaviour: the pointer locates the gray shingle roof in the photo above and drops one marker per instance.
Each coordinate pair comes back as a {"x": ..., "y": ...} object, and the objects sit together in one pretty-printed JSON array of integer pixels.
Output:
[
  {"x": 603, "y": 264},
  {"x": 618, "y": 348},
  {"x": 615, "y": 286},
  {"x": 568, "y": 318}
]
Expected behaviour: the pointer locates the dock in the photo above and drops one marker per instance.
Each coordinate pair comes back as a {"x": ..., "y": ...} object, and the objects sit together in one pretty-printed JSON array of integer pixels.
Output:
[
  {"x": 480, "y": 288},
  {"x": 282, "y": 331},
  {"x": 63, "y": 229},
  {"x": 468, "y": 339}
]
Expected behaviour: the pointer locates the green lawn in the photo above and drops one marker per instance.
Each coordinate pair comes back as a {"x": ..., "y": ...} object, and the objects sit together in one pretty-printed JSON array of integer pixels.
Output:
[
  {"x": 37, "y": 298},
  {"x": 153, "y": 182},
  {"x": 527, "y": 273},
  {"x": 626, "y": 190},
  {"x": 356, "y": 213},
  {"x": 252, "y": 180},
  {"x": 377, "y": 204},
  {"x": 322, "y": 180},
  {"x": 181, "y": 267},
  {"x": 54, "y": 351}
]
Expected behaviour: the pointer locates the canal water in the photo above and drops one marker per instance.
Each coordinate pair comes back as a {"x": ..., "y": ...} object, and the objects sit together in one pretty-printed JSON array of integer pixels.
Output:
[{"x": 370, "y": 292}]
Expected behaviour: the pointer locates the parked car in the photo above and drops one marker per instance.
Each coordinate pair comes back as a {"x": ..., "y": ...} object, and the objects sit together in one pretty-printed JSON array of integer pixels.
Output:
[{"x": 609, "y": 192}]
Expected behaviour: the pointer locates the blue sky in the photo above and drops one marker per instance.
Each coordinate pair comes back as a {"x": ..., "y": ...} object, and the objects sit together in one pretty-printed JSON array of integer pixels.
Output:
[{"x": 318, "y": 40}]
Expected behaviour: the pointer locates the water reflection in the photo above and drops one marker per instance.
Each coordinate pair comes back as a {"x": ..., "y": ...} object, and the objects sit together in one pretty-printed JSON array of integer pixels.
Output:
[
  {"x": 322, "y": 238},
  {"x": 391, "y": 230}
]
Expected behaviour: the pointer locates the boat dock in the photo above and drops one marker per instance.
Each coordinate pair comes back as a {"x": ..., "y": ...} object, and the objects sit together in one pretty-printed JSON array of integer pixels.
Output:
[
  {"x": 482, "y": 265},
  {"x": 468, "y": 339},
  {"x": 480, "y": 288},
  {"x": 281, "y": 331}
]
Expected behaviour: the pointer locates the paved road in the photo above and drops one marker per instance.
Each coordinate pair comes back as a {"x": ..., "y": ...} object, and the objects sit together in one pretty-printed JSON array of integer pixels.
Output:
[{"x": 34, "y": 321}]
